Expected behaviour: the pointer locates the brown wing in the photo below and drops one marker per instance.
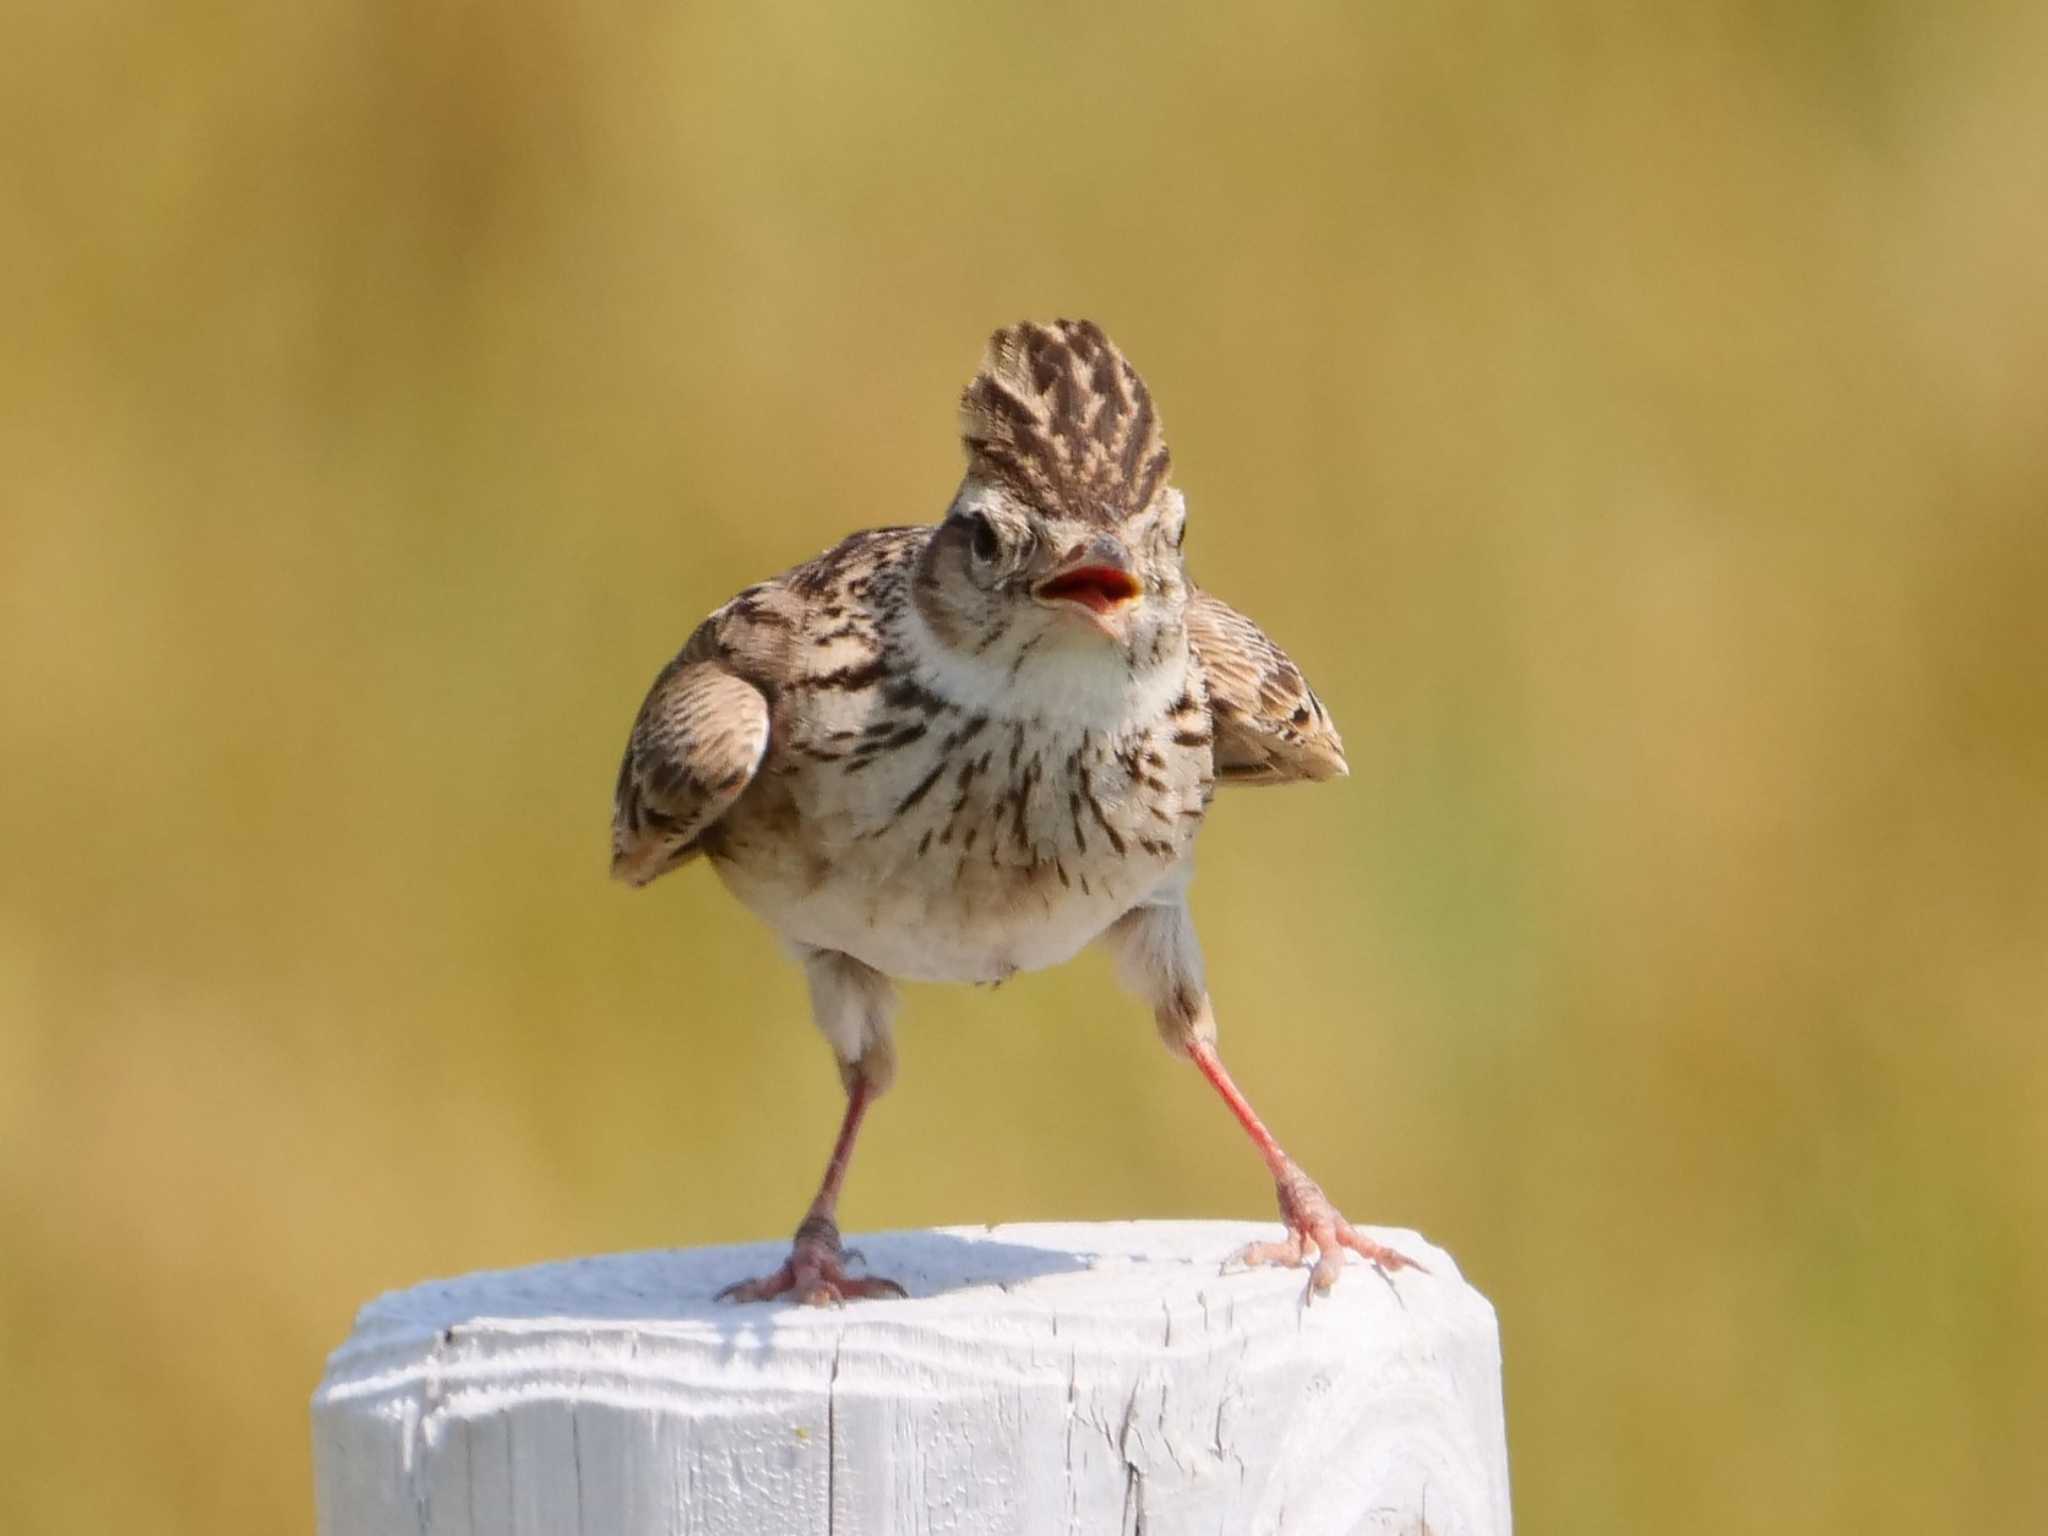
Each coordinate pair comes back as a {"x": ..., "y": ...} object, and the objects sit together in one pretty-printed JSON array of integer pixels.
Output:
[
  {"x": 705, "y": 727},
  {"x": 693, "y": 751},
  {"x": 1270, "y": 726}
]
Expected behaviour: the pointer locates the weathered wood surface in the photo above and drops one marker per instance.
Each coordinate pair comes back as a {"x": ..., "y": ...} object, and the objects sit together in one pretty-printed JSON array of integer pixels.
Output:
[{"x": 1041, "y": 1379}]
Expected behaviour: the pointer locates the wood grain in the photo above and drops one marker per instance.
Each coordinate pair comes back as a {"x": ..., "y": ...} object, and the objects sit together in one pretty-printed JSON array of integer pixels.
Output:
[{"x": 1040, "y": 1379}]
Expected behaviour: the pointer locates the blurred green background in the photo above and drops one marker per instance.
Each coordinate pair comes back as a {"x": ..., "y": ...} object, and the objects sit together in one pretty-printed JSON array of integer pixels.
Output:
[{"x": 1636, "y": 422}]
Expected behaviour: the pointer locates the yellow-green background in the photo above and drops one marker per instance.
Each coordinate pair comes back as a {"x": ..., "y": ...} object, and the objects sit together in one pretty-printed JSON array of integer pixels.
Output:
[{"x": 1635, "y": 419}]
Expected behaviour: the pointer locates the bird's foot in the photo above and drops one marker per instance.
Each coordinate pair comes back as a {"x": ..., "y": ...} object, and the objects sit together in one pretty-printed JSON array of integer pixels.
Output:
[
  {"x": 1313, "y": 1222},
  {"x": 814, "y": 1273}
]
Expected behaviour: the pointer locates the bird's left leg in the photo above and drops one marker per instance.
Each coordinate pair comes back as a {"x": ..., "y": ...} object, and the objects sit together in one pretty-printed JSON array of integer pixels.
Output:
[
  {"x": 852, "y": 1005},
  {"x": 1161, "y": 961}
]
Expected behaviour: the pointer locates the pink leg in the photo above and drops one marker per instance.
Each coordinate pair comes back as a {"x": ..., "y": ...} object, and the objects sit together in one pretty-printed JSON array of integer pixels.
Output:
[
  {"x": 815, "y": 1271},
  {"x": 1306, "y": 1210}
]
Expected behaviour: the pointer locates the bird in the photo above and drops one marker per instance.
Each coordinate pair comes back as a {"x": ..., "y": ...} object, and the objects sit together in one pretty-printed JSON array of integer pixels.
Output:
[{"x": 957, "y": 751}]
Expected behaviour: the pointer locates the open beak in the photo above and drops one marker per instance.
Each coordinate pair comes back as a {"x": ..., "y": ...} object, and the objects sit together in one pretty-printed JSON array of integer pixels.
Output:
[{"x": 1096, "y": 578}]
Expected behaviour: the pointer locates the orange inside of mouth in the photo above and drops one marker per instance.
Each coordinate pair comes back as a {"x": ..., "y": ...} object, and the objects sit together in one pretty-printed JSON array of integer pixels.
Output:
[{"x": 1098, "y": 588}]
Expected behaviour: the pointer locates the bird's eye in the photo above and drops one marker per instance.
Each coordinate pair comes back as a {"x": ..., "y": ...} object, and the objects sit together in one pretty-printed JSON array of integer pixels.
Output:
[{"x": 986, "y": 545}]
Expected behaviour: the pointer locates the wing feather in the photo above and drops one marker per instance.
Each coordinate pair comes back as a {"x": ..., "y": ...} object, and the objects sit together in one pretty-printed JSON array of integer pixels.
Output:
[
  {"x": 1270, "y": 726},
  {"x": 694, "y": 749}
]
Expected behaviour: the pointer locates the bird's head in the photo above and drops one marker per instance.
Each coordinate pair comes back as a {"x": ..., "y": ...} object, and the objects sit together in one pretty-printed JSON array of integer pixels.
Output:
[{"x": 1064, "y": 541}]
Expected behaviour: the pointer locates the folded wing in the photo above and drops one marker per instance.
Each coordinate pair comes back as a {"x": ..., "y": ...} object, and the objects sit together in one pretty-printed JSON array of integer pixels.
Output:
[
  {"x": 1270, "y": 726},
  {"x": 693, "y": 751}
]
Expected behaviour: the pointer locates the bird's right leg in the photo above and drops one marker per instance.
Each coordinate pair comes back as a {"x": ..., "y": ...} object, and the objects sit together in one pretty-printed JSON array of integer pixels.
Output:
[{"x": 853, "y": 1005}]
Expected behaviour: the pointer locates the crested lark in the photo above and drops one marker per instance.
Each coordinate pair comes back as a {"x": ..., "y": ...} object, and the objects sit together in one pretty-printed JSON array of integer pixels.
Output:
[{"x": 956, "y": 752}]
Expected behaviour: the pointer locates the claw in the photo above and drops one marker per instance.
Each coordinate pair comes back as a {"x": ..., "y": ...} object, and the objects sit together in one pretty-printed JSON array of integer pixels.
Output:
[
  {"x": 760, "y": 1288},
  {"x": 1312, "y": 1220},
  {"x": 814, "y": 1273}
]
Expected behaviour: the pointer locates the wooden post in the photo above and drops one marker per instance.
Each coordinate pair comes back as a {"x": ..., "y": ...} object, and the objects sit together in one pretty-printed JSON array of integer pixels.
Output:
[{"x": 1040, "y": 1379}]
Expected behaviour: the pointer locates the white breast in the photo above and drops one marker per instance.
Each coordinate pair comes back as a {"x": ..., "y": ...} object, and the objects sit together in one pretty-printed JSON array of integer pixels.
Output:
[{"x": 991, "y": 871}]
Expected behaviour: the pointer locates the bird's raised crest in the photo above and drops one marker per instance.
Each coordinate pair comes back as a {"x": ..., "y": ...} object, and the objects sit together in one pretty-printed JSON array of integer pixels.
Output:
[{"x": 1059, "y": 415}]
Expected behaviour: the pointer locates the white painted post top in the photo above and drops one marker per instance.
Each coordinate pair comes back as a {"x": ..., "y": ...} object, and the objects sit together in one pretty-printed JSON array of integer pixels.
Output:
[{"x": 1044, "y": 1378}]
